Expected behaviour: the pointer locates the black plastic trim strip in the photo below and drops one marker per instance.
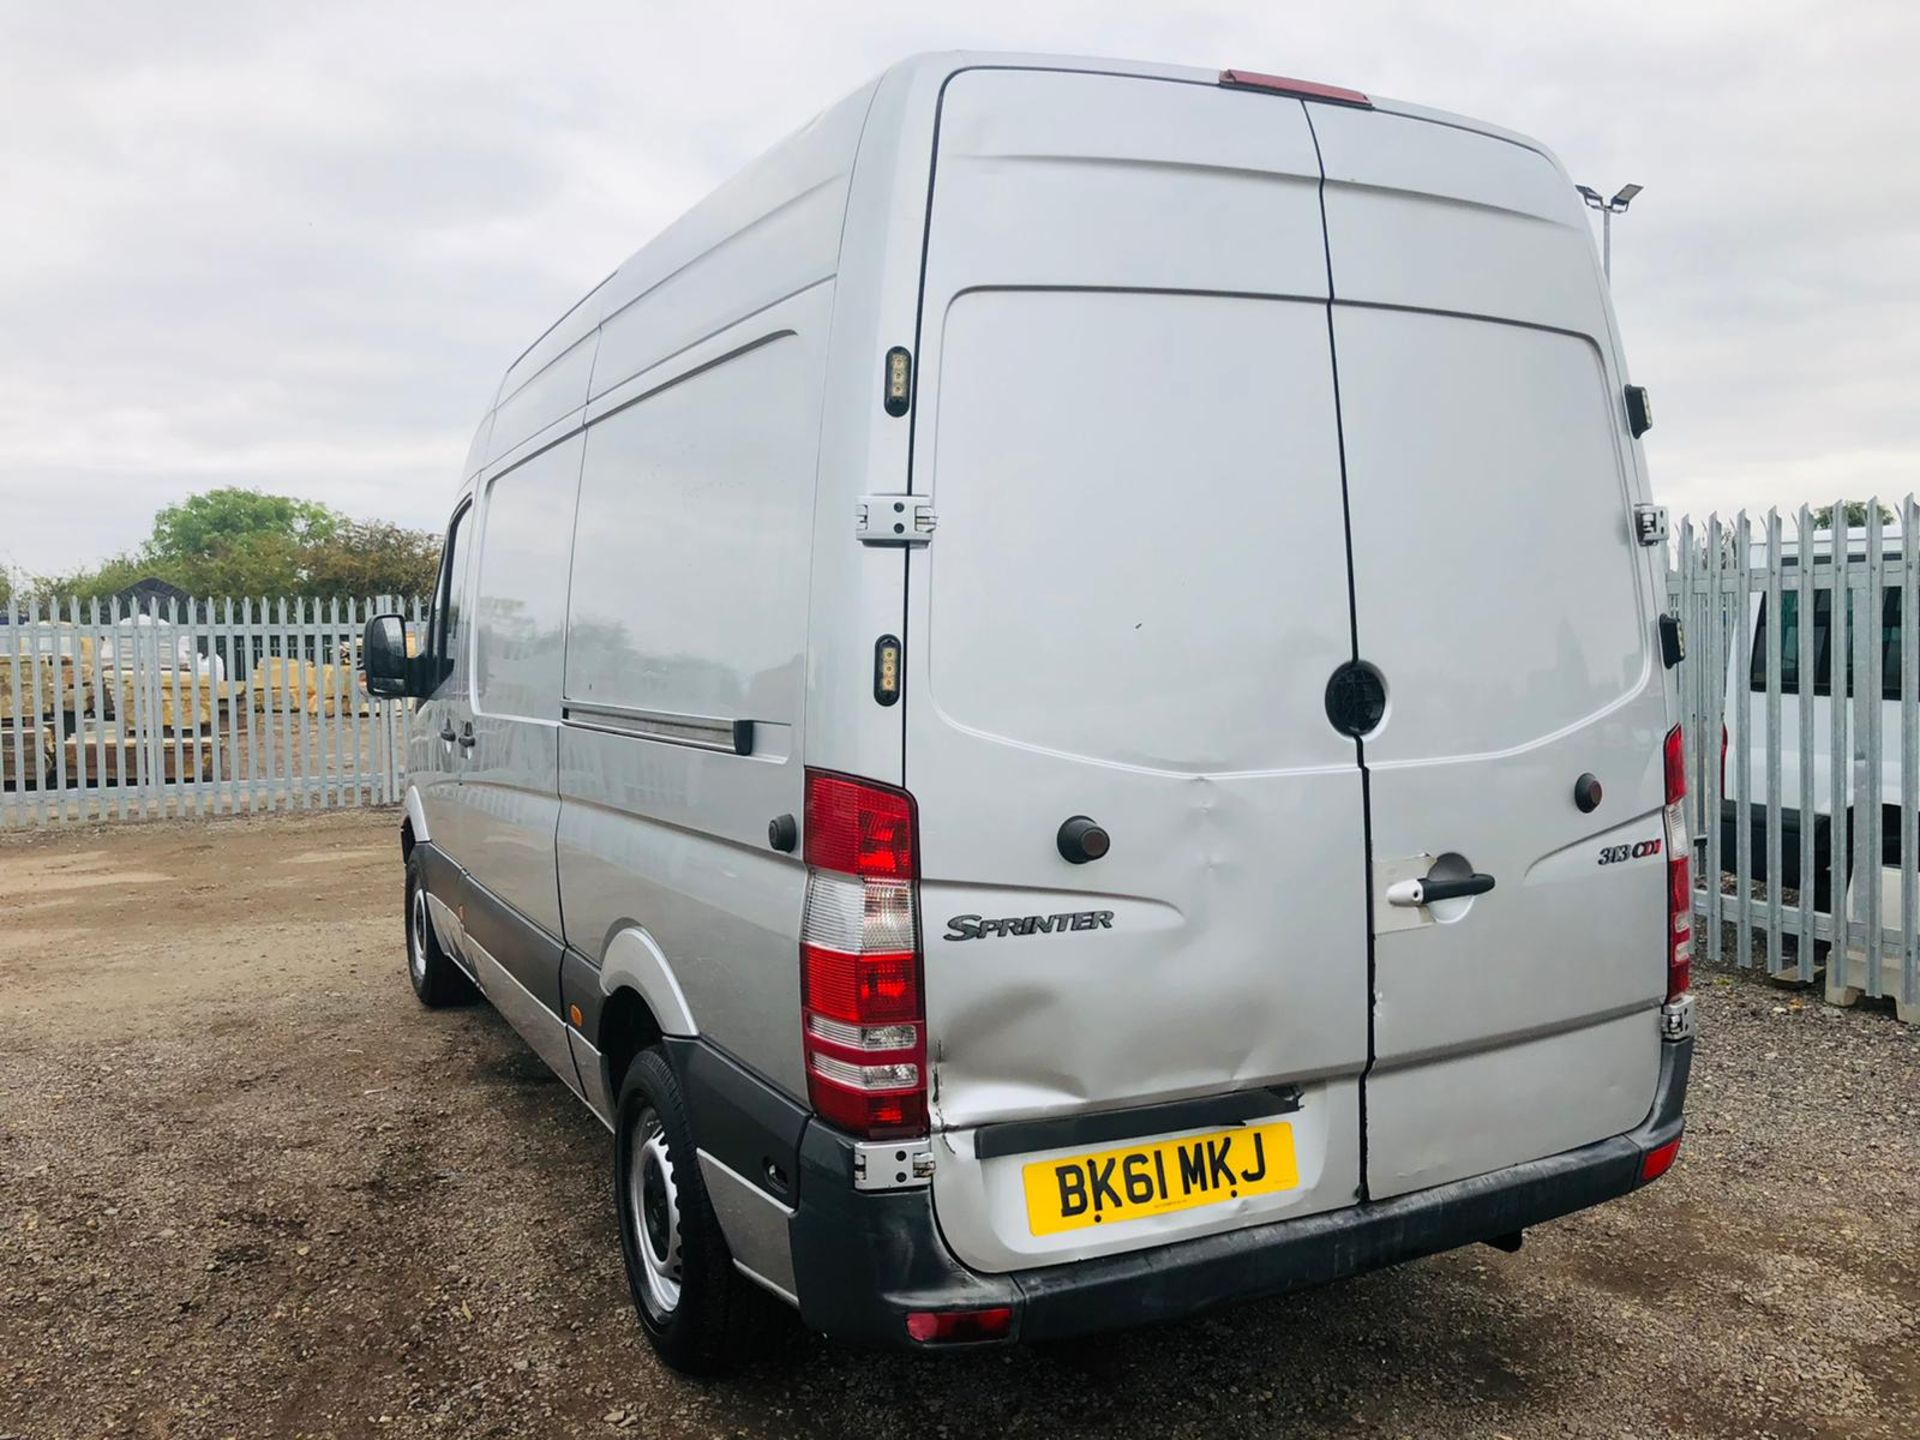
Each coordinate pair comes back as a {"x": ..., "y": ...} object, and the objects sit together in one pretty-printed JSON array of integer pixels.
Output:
[
  {"x": 1023, "y": 1137},
  {"x": 440, "y": 874},
  {"x": 699, "y": 732},
  {"x": 738, "y": 1118},
  {"x": 522, "y": 948}
]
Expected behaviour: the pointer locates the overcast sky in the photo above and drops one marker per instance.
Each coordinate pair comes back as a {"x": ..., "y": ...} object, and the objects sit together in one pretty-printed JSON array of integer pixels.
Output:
[{"x": 293, "y": 248}]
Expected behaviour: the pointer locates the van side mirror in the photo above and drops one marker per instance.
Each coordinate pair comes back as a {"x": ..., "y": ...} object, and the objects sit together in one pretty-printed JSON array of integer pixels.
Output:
[{"x": 383, "y": 650}]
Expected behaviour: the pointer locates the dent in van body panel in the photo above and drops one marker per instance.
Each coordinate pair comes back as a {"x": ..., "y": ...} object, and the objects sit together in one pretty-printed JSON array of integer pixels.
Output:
[
  {"x": 982, "y": 1211},
  {"x": 1098, "y": 369}
]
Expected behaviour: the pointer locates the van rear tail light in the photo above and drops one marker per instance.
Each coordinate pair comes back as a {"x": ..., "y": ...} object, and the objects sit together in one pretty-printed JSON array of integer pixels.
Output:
[
  {"x": 1679, "y": 871},
  {"x": 863, "y": 1013},
  {"x": 859, "y": 828}
]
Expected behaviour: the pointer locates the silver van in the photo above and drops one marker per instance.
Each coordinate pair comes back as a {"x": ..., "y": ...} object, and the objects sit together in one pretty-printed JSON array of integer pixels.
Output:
[{"x": 1054, "y": 706}]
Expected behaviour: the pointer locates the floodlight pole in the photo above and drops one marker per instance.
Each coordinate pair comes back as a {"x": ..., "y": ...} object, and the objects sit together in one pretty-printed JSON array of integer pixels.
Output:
[{"x": 1608, "y": 209}]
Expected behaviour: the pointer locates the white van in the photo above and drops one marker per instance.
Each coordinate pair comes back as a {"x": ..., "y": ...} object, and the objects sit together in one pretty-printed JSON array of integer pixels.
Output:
[
  {"x": 1052, "y": 706},
  {"x": 1867, "y": 788}
]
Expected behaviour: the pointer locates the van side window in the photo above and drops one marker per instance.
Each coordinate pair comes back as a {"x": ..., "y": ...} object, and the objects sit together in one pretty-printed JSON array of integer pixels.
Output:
[
  {"x": 445, "y": 627},
  {"x": 520, "y": 588},
  {"x": 1889, "y": 642}
]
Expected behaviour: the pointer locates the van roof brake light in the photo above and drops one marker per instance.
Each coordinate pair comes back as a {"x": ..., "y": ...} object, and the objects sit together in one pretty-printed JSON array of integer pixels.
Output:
[{"x": 1300, "y": 89}]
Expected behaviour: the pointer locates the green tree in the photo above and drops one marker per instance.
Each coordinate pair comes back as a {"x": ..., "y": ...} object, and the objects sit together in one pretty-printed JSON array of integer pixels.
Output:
[
  {"x": 96, "y": 583},
  {"x": 361, "y": 559},
  {"x": 240, "y": 542},
  {"x": 263, "y": 563},
  {"x": 1856, "y": 515},
  {"x": 202, "y": 527}
]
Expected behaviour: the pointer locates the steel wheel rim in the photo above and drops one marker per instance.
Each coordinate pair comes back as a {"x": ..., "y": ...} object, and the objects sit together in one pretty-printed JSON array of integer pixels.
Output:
[
  {"x": 655, "y": 1206},
  {"x": 417, "y": 941}
]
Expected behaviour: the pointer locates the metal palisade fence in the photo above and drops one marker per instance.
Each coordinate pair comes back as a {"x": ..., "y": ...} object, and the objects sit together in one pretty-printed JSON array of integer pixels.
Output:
[
  {"x": 114, "y": 711},
  {"x": 1801, "y": 693}
]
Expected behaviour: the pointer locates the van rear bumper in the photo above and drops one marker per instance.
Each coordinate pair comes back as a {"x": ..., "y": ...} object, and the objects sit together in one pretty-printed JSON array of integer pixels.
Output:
[{"x": 862, "y": 1262}]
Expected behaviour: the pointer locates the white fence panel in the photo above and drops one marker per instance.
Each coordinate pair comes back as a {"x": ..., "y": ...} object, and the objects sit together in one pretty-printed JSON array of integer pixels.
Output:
[
  {"x": 199, "y": 707},
  {"x": 1801, "y": 693}
]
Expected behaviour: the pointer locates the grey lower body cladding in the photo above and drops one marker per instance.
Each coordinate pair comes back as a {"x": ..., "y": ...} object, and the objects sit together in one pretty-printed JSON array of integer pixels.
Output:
[{"x": 862, "y": 1262}]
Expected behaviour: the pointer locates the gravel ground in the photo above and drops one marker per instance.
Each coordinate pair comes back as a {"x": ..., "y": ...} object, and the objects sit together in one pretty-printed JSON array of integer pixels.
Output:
[{"x": 249, "y": 1188}]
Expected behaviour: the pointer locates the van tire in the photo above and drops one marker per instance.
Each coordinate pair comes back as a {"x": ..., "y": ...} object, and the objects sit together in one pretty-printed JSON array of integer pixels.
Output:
[
  {"x": 718, "y": 1319},
  {"x": 436, "y": 980}
]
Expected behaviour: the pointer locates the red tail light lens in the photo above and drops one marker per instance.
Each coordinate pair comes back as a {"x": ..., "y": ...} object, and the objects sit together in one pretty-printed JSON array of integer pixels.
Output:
[
  {"x": 858, "y": 828},
  {"x": 863, "y": 1018},
  {"x": 1657, "y": 1161},
  {"x": 958, "y": 1327},
  {"x": 1679, "y": 870},
  {"x": 862, "y": 989}
]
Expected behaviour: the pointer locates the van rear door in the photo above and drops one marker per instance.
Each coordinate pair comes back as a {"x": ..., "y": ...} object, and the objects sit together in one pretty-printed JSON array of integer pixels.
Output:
[
  {"x": 1502, "y": 597},
  {"x": 1129, "y": 611}
]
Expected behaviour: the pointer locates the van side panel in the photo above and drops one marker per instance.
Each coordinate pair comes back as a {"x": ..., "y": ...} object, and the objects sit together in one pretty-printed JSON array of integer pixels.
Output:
[
  {"x": 690, "y": 584},
  {"x": 688, "y": 610}
]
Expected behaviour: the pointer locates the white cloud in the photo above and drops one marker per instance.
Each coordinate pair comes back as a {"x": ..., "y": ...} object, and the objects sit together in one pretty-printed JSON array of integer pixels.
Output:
[{"x": 294, "y": 249}]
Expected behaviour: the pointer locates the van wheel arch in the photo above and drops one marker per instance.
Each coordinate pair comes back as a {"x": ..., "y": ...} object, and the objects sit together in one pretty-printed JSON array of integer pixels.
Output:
[{"x": 627, "y": 1026}]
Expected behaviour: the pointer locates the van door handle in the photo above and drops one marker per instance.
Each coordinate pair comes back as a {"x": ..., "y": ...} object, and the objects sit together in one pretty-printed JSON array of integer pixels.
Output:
[
  {"x": 446, "y": 733},
  {"x": 1410, "y": 893},
  {"x": 467, "y": 743}
]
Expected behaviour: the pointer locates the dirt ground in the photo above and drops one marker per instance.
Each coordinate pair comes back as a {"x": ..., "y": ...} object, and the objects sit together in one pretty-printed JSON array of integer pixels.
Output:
[{"x": 249, "y": 1188}]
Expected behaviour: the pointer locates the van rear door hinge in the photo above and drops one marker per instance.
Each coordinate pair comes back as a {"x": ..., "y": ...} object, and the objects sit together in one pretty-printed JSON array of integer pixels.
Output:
[
  {"x": 893, "y": 520},
  {"x": 1650, "y": 524}
]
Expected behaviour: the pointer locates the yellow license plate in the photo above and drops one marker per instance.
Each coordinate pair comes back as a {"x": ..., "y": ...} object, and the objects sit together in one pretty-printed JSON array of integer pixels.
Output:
[{"x": 1158, "y": 1178}]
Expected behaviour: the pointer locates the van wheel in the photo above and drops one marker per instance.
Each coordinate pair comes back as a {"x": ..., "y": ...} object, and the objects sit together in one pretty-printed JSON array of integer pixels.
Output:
[
  {"x": 702, "y": 1315},
  {"x": 436, "y": 979}
]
